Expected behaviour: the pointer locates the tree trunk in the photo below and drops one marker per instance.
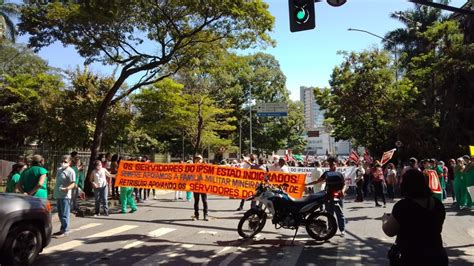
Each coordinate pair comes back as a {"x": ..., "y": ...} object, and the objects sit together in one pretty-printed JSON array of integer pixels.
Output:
[
  {"x": 98, "y": 132},
  {"x": 199, "y": 129}
]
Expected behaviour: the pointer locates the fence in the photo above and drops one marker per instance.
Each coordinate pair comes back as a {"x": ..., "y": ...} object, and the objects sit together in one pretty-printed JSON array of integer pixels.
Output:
[{"x": 52, "y": 160}]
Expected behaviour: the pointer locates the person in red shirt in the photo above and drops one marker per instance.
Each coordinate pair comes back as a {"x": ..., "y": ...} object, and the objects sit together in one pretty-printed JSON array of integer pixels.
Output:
[{"x": 378, "y": 181}]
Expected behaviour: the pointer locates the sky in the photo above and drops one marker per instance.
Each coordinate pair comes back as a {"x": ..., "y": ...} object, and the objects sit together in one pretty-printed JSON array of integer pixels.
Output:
[{"x": 306, "y": 58}]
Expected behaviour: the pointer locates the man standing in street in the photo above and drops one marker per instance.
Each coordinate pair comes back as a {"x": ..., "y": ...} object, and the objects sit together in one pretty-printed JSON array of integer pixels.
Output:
[
  {"x": 360, "y": 172},
  {"x": 335, "y": 184},
  {"x": 65, "y": 183},
  {"x": 203, "y": 196}
]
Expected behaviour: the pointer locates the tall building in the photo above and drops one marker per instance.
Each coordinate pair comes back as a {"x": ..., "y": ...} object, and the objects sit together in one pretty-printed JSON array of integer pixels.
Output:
[
  {"x": 319, "y": 141},
  {"x": 313, "y": 116}
]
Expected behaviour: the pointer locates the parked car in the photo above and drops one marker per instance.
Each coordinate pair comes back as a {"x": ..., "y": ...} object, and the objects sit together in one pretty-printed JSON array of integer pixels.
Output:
[{"x": 25, "y": 228}]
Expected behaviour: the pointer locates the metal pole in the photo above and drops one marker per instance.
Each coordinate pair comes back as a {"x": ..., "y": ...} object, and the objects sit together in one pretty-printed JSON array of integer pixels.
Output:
[
  {"x": 183, "y": 146},
  {"x": 240, "y": 139},
  {"x": 250, "y": 114}
]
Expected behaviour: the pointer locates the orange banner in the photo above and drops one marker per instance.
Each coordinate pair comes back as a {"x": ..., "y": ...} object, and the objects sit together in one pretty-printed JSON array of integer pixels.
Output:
[{"x": 204, "y": 178}]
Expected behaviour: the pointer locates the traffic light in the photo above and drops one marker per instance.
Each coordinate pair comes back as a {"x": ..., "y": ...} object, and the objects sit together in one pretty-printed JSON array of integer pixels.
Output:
[{"x": 302, "y": 16}]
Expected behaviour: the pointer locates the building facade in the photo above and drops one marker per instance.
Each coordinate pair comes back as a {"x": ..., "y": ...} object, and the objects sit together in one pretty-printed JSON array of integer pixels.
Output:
[{"x": 319, "y": 140}]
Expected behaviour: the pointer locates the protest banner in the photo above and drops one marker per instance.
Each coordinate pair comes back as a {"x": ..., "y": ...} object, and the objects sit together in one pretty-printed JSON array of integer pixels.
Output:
[
  {"x": 349, "y": 173},
  {"x": 204, "y": 178},
  {"x": 387, "y": 156}
]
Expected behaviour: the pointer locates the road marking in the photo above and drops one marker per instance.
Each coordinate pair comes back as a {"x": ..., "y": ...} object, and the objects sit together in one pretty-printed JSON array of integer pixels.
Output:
[
  {"x": 471, "y": 232},
  {"x": 133, "y": 244},
  {"x": 63, "y": 247},
  {"x": 112, "y": 232},
  {"x": 187, "y": 245},
  {"x": 155, "y": 233},
  {"x": 208, "y": 232},
  {"x": 160, "y": 232},
  {"x": 75, "y": 243},
  {"x": 87, "y": 226}
]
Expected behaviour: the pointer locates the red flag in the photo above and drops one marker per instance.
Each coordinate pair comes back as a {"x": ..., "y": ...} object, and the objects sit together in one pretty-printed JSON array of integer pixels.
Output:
[
  {"x": 387, "y": 156},
  {"x": 354, "y": 157},
  {"x": 368, "y": 159}
]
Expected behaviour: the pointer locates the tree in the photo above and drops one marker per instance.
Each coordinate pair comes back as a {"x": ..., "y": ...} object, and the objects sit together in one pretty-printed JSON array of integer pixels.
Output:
[
  {"x": 416, "y": 21},
  {"x": 27, "y": 95},
  {"x": 78, "y": 105},
  {"x": 7, "y": 27},
  {"x": 170, "y": 109},
  {"x": 364, "y": 104},
  {"x": 444, "y": 76},
  {"x": 115, "y": 32}
]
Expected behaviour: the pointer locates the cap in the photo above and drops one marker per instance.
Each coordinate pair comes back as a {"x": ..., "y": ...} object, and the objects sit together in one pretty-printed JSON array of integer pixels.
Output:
[{"x": 198, "y": 157}]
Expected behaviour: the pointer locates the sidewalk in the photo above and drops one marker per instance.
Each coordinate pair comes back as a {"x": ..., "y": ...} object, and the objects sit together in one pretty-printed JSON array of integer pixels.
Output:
[{"x": 87, "y": 206}]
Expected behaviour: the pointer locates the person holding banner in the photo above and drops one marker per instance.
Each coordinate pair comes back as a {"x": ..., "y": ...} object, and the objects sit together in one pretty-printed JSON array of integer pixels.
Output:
[
  {"x": 203, "y": 196},
  {"x": 315, "y": 175}
]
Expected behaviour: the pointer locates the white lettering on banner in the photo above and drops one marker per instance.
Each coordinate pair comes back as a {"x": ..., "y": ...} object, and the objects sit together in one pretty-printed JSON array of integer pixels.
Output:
[{"x": 349, "y": 173}]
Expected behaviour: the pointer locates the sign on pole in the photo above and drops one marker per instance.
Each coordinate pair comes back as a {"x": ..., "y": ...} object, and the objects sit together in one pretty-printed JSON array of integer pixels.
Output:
[{"x": 272, "y": 109}]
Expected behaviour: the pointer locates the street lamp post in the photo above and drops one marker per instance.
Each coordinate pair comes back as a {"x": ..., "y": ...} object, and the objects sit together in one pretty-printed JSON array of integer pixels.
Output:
[
  {"x": 240, "y": 139},
  {"x": 250, "y": 115},
  {"x": 395, "y": 52}
]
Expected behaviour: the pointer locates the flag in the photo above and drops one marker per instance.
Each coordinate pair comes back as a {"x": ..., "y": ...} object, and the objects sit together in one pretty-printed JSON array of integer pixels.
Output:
[
  {"x": 471, "y": 149},
  {"x": 367, "y": 158},
  {"x": 354, "y": 157},
  {"x": 387, "y": 156}
]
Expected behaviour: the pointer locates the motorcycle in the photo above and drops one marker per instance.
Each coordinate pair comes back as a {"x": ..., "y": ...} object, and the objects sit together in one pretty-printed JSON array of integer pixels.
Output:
[{"x": 289, "y": 213}]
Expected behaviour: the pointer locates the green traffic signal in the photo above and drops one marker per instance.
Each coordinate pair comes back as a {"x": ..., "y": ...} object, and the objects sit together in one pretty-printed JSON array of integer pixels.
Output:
[{"x": 300, "y": 15}]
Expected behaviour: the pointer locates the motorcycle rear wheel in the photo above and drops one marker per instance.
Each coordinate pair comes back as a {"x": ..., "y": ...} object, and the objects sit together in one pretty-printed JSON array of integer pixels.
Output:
[
  {"x": 321, "y": 226},
  {"x": 252, "y": 223}
]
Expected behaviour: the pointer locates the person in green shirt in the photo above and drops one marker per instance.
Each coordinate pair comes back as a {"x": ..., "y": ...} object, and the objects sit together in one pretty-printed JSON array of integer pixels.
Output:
[
  {"x": 461, "y": 174},
  {"x": 33, "y": 181},
  {"x": 14, "y": 177},
  {"x": 79, "y": 173}
]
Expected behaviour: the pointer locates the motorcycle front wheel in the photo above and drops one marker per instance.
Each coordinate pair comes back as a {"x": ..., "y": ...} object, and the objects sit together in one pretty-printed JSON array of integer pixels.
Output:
[
  {"x": 321, "y": 226},
  {"x": 252, "y": 223}
]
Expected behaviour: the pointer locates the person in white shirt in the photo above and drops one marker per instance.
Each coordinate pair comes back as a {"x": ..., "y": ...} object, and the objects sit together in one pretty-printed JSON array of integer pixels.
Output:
[
  {"x": 360, "y": 172},
  {"x": 315, "y": 175},
  {"x": 280, "y": 166},
  {"x": 99, "y": 183},
  {"x": 65, "y": 182}
]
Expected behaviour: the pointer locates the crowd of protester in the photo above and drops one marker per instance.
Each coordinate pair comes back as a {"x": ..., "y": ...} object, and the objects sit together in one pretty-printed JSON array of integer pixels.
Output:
[{"x": 30, "y": 177}]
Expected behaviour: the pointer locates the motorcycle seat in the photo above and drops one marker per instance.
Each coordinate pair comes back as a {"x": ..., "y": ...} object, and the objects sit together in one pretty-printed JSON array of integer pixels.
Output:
[{"x": 319, "y": 196}]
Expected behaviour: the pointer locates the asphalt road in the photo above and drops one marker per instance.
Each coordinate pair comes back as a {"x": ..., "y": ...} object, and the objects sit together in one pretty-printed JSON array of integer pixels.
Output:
[{"x": 162, "y": 232}]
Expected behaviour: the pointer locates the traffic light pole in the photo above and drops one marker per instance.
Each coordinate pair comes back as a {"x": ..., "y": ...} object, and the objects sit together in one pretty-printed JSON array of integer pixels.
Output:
[{"x": 445, "y": 7}]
